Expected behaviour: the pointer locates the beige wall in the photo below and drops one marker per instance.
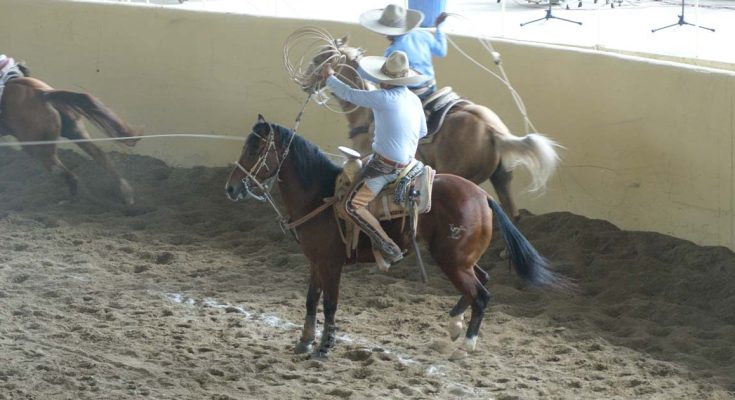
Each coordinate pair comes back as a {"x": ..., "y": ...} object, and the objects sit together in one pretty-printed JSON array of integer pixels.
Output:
[{"x": 649, "y": 145}]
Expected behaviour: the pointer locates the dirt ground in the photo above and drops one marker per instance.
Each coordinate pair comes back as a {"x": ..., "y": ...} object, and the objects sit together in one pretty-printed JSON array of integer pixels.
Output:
[{"x": 190, "y": 296}]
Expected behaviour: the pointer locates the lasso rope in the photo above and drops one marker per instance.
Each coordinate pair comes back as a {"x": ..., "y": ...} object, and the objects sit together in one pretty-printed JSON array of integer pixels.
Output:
[
  {"x": 120, "y": 139},
  {"x": 487, "y": 45},
  {"x": 318, "y": 49},
  {"x": 306, "y": 52}
]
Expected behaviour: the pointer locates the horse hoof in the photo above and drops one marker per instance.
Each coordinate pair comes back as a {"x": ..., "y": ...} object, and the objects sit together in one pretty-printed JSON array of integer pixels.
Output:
[
  {"x": 303, "y": 347},
  {"x": 459, "y": 354},
  {"x": 320, "y": 354},
  {"x": 455, "y": 328},
  {"x": 455, "y": 331},
  {"x": 127, "y": 192}
]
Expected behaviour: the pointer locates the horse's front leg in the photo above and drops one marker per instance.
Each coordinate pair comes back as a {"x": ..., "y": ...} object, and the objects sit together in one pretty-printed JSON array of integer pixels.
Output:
[
  {"x": 331, "y": 298},
  {"x": 308, "y": 335}
]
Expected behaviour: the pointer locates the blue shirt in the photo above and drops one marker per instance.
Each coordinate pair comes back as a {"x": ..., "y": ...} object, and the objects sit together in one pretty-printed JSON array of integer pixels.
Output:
[
  {"x": 420, "y": 45},
  {"x": 399, "y": 118}
]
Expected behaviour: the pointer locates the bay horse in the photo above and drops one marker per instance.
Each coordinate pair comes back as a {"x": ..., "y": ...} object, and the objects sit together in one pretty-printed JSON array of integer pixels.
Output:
[
  {"x": 457, "y": 230},
  {"x": 473, "y": 141},
  {"x": 31, "y": 110}
]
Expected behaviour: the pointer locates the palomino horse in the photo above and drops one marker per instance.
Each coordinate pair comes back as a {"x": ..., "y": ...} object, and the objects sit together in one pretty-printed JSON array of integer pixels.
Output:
[
  {"x": 31, "y": 110},
  {"x": 457, "y": 230},
  {"x": 473, "y": 142}
]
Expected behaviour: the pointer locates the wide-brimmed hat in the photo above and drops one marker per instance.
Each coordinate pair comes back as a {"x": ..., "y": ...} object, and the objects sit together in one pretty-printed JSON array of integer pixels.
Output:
[
  {"x": 392, "y": 20},
  {"x": 391, "y": 70}
]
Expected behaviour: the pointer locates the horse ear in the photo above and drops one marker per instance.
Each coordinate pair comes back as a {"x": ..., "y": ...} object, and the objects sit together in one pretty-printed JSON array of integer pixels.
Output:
[
  {"x": 261, "y": 118},
  {"x": 343, "y": 40}
]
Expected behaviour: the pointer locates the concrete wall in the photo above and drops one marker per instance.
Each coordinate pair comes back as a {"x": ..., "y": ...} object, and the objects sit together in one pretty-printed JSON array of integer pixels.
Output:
[{"x": 649, "y": 145}]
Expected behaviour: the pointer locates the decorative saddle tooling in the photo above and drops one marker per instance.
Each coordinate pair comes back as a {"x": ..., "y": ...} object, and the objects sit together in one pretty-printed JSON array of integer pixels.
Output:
[
  {"x": 437, "y": 107},
  {"x": 407, "y": 197}
]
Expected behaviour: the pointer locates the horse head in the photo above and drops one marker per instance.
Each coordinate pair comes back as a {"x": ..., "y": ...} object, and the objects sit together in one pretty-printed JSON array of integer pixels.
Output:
[{"x": 258, "y": 165}]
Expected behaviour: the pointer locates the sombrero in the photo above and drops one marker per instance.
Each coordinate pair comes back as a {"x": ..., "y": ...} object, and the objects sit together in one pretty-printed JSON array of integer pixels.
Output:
[
  {"x": 392, "y": 20},
  {"x": 391, "y": 70}
]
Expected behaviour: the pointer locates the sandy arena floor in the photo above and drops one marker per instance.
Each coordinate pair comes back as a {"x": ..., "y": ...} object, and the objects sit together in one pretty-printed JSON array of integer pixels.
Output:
[{"x": 189, "y": 296}]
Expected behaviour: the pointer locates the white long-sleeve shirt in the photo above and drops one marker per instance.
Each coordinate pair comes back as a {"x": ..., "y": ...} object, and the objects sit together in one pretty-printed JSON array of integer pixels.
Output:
[{"x": 399, "y": 118}]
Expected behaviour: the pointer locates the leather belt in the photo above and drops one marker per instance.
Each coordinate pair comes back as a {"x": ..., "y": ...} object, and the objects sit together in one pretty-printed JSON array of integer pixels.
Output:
[{"x": 389, "y": 162}]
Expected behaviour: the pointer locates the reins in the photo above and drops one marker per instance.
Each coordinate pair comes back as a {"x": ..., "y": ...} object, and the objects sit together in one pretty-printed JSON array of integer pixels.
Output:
[{"x": 267, "y": 185}]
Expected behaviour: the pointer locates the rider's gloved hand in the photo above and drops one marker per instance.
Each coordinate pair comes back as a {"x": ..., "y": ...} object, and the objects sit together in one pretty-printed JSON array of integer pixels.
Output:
[
  {"x": 327, "y": 71},
  {"x": 440, "y": 18}
]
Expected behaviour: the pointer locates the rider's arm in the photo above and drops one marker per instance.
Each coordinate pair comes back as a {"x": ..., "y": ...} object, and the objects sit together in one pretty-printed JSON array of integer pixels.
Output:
[
  {"x": 439, "y": 44},
  {"x": 362, "y": 98}
]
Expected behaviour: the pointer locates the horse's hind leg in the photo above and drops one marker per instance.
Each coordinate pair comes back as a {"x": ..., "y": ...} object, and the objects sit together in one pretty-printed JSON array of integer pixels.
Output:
[
  {"x": 456, "y": 314},
  {"x": 51, "y": 162},
  {"x": 479, "y": 304},
  {"x": 478, "y": 297},
  {"x": 73, "y": 129},
  {"x": 308, "y": 335},
  {"x": 501, "y": 183}
]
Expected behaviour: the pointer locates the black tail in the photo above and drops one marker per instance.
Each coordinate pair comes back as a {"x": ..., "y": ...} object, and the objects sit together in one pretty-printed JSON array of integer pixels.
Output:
[{"x": 529, "y": 264}]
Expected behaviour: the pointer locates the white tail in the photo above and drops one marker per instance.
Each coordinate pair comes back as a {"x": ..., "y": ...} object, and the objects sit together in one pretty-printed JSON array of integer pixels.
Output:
[{"x": 534, "y": 151}]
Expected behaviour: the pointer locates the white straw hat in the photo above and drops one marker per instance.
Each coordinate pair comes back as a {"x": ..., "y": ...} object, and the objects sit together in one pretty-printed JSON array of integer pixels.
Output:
[
  {"x": 392, "y": 20},
  {"x": 391, "y": 70}
]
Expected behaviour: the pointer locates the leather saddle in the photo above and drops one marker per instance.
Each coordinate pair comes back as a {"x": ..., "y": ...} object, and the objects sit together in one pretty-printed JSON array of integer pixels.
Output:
[
  {"x": 405, "y": 198},
  {"x": 411, "y": 191},
  {"x": 437, "y": 107}
]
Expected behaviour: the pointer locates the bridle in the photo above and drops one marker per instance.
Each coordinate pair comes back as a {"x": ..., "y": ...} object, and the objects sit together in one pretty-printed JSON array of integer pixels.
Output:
[
  {"x": 266, "y": 186},
  {"x": 262, "y": 163}
]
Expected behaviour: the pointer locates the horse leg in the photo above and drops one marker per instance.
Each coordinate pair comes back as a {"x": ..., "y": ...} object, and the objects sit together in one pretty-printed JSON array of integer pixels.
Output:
[
  {"x": 74, "y": 130},
  {"x": 331, "y": 298},
  {"x": 479, "y": 304},
  {"x": 478, "y": 297},
  {"x": 308, "y": 335},
  {"x": 500, "y": 180},
  {"x": 52, "y": 164},
  {"x": 456, "y": 314}
]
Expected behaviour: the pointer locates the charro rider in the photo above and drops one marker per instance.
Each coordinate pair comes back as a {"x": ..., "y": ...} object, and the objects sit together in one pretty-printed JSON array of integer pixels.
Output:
[
  {"x": 400, "y": 26},
  {"x": 399, "y": 124}
]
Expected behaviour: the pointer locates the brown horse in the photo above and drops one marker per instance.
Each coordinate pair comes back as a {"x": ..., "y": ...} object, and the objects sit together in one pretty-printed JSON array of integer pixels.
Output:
[
  {"x": 473, "y": 142},
  {"x": 31, "y": 110},
  {"x": 457, "y": 230}
]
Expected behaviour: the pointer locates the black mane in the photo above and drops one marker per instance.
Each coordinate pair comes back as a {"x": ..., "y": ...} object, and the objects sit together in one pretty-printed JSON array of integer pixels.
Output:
[{"x": 313, "y": 168}]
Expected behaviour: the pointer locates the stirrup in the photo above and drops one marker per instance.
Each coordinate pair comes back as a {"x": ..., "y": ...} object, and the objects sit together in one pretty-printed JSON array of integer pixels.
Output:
[
  {"x": 383, "y": 265},
  {"x": 390, "y": 252}
]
